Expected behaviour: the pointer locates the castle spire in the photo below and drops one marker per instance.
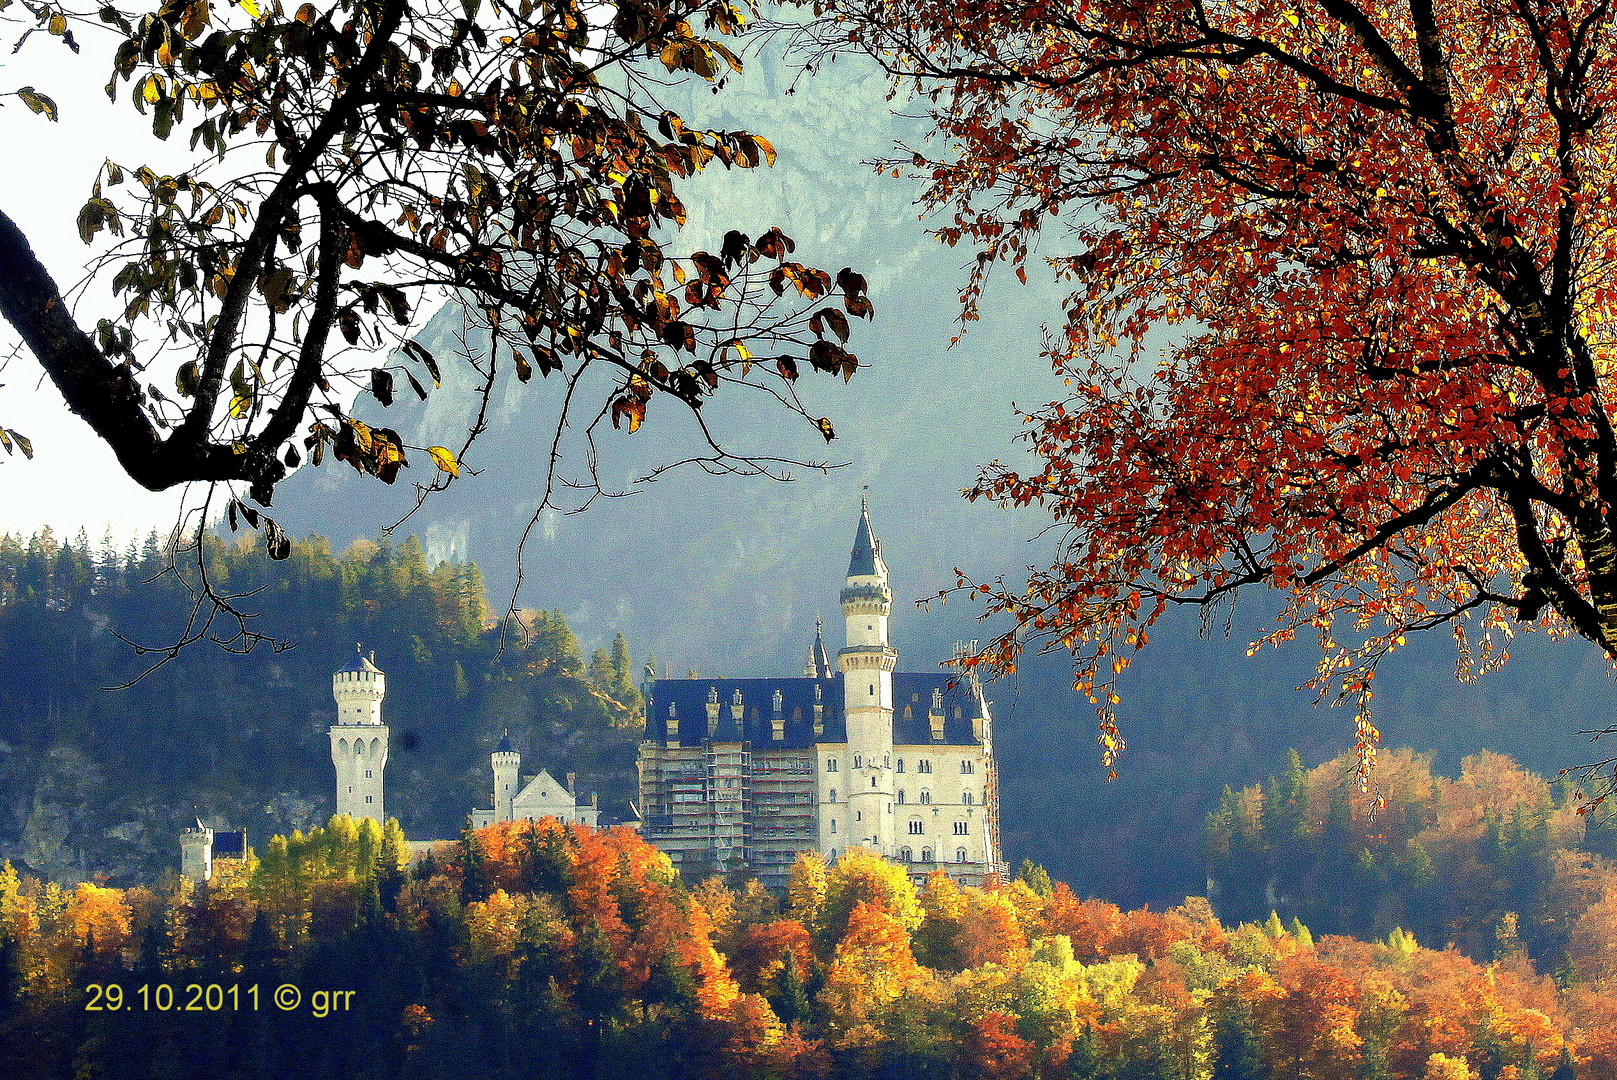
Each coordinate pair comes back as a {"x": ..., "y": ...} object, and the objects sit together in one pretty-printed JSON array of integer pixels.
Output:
[
  {"x": 818, "y": 658},
  {"x": 866, "y": 560}
]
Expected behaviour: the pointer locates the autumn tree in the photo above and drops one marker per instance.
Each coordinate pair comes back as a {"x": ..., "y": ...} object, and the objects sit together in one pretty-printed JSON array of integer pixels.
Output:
[
  {"x": 355, "y": 161},
  {"x": 1341, "y": 310}
]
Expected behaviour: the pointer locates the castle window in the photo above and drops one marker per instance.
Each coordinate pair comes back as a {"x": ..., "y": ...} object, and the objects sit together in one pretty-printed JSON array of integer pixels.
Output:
[
  {"x": 960, "y": 854},
  {"x": 965, "y": 767},
  {"x": 367, "y": 774},
  {"x": 901, "y": 796},
  {"x": 907, "y": 714},
  {"x": 858, "y": 761},
  {"x": 917, "y": 827},
  {"x": 926, "y": 796},
  {"x": 831, "y": 764},
  {"x": 905, "y": 855},
  {"x": 926, "y": 854},
  {"x": 872, "y": 781},
  {"x": 960, "y": 828},
  {"x": 923, "y": 766},
  {"x": 900, "y": 764},
  {"x": 833, "y": 826},
  {"x": 968, "y": 798},
  {"x": 887, "y": 761},
  {"x": 350, "y": 789},
  {"x": 833, "y": 796},
  {"x": 859, "y": 815},
  {"x": 369, "y": 799}
]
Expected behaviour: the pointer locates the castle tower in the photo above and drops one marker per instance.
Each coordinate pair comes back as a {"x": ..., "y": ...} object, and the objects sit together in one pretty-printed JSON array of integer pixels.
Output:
[
  {"x": 506, "y": 764},
  {"x": 196, "y": 853},
  {"x": 359, "y": 738},
  {"x": 867, "y": 664}
]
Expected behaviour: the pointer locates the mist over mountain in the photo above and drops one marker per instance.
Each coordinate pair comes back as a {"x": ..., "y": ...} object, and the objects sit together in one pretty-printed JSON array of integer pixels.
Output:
[{"x": 732, "y": 571}]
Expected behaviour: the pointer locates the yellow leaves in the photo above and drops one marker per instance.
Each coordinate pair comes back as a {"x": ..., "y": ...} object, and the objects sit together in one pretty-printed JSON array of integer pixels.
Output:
[
  {"x": 250, "y": 7},
  {"x": 445, "y": 460},
  {"x": 38, "y": 102},
  {"x": 151, "y": 89}
]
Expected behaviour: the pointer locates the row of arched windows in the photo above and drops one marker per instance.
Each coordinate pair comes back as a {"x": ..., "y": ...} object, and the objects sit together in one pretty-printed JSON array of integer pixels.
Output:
[{"x": 906, "y": 855}]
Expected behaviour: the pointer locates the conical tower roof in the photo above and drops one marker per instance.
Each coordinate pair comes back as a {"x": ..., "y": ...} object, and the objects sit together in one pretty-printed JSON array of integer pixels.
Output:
[
  {"x": 866, "y": 560},
  {"x": 821, "y": 662}
]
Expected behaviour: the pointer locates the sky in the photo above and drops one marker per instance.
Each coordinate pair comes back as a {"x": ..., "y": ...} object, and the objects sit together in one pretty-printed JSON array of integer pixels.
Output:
[{"x": 73, "y": 481}]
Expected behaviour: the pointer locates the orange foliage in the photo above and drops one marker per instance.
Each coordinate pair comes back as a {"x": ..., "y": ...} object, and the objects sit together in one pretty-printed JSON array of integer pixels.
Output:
[
  {"x": 1094, "y": 926},
  {"x": 761, "y": 951},
  {"x": 994, "y": 1051}
]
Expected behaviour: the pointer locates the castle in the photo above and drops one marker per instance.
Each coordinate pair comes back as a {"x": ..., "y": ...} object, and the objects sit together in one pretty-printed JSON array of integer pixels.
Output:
[
  {"x": 359, "y": 756},
  {"x": 747, "y": 773}
]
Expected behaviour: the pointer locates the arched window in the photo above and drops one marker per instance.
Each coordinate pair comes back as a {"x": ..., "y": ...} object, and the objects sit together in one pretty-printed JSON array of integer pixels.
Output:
[
  {"x": 966, "y": 767},
  {"x": 901, "y": 796},
  {"x": 832, "y": 797},
  {"x": 833, "y": 826},
  {"x": 924, "y": 766},
  {"x": 872, "y": 781},
  {"x": 926, "y": 854},
  {"x": 900, "y": 764},
  {"x": 926, "y": 796},
  {"x": 858, "y": 761},
  {"x": 906, "y": 855},
  {"x": 830, "y": 764},
  {"x": 887, "y": 761},
  {"x": 917, "y": 827},
  {"x": 968, "y": 798},
  {"x": 960, "y": 828},
  {"x": 960, "y": 854},
  {"x": 859, "y": 815}
]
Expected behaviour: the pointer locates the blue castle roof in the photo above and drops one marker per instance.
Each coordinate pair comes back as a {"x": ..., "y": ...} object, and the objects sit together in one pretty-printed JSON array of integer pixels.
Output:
[{"x": 912, "y": 701}]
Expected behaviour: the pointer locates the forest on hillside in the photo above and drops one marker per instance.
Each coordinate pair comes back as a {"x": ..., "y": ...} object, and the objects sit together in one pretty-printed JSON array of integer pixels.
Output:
[
  {"x": 1494, "y": 861},
  {"x": 98, "y": 783},
  {"x": 538, "y": 946}
]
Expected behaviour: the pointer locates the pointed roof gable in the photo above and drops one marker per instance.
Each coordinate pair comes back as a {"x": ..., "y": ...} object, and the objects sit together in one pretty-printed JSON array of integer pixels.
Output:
[{"x": 545, "y": 791}]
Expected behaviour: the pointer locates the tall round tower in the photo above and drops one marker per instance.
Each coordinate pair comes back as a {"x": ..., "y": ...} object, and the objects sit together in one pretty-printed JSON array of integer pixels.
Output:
[
  {"x": 359, "y": 738},
  {"x": 867, "y": 665},
  {"x": 506, "y": 764}
]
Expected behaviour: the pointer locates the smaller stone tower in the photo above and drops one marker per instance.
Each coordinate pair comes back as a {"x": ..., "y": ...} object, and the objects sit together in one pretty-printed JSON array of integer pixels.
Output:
[
  {"x": 196, "y": 853},
  {"x": 359, "y": 738},
  {"x": 506, "y": 763}
]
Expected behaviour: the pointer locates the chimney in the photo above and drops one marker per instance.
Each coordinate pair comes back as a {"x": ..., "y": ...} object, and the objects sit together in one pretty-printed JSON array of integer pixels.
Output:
[
  {"x": 935, "y": 715},
  {"x": 779, "y": 722},
  {"x": 712, "y": 710}
]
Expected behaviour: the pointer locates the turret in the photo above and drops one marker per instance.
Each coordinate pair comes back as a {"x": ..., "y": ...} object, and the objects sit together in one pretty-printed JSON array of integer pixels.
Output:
[
  {"x": 359, "y": 688},
  {"x": 507, "y": 762},
  {"x": 196, "y": 853},
  {"x": 867, "y": 664},
  {"x": 359, "y": 738}
]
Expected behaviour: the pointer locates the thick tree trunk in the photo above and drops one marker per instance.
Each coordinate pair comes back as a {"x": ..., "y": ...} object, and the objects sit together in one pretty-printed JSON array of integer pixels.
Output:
[{"x": 104, "y": 394}]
